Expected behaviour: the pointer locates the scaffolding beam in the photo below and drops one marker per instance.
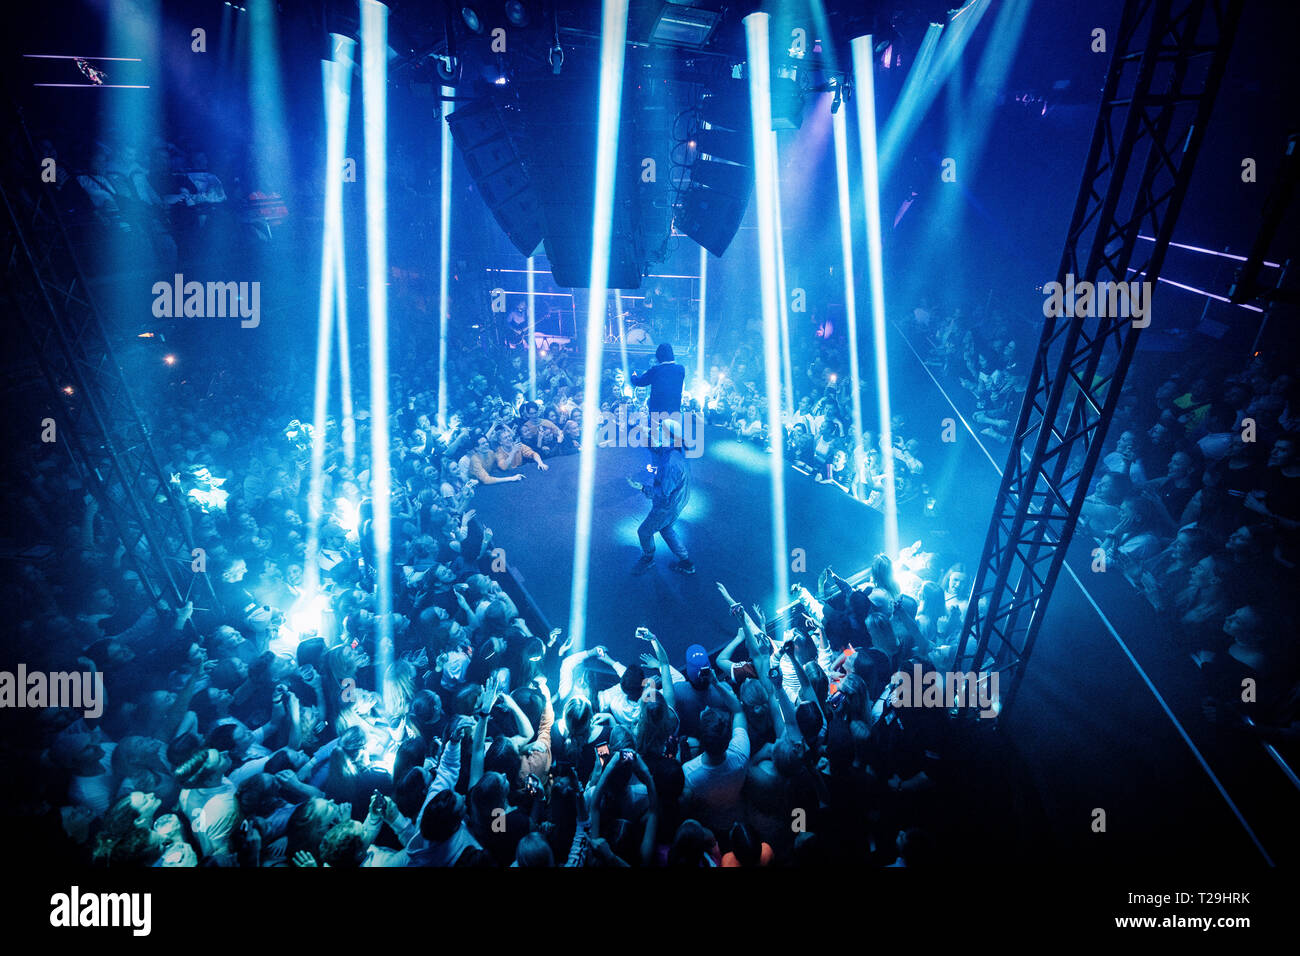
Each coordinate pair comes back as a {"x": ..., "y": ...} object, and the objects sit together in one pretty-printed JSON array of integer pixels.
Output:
[
  {"x": 1167, "y": 64},
  {"x": 97, "y": 421}
]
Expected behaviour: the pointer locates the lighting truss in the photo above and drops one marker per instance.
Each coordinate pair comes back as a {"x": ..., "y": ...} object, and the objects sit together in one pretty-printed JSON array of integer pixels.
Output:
[{"x": 1168, "y": 61}]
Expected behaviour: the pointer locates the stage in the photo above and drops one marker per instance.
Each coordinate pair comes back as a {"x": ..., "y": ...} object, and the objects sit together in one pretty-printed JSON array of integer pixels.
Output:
[{"x": 726, "y": 526}]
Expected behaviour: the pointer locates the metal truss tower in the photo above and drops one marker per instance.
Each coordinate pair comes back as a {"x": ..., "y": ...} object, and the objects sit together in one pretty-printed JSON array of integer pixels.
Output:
[
  {"x": 1167, "y": 63},
  {"x": 97, "y": 422}
]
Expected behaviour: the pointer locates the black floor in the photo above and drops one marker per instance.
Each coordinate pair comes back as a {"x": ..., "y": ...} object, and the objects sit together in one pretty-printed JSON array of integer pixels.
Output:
[{"x": 726, "y": 527}]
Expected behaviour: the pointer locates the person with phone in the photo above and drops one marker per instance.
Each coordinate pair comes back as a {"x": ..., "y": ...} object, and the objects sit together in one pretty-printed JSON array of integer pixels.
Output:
[{"x": 715, "y": 779}]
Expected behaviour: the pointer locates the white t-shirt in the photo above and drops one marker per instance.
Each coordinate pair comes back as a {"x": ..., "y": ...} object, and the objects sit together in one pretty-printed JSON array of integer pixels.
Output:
[
  {"x": 212, "y": 812},
  {"x": 623, "y": 710},
  {"x": 718, "y": 787}
]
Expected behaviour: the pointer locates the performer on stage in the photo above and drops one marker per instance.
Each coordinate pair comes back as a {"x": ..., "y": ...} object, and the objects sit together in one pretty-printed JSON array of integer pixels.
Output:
[
  {"x": 669, "y": 492},
  {"x": 516, "y": 330},
  {"x": 664, "y": 379}
]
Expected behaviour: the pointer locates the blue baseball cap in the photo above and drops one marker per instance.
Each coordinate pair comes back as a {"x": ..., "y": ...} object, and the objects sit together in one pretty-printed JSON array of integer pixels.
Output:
[{"x": 697, "y": 658}]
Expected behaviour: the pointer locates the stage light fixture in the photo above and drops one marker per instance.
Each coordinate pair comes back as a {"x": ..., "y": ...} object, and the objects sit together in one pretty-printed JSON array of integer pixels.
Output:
[
  {"x": 787, "y": 103},
  {"x": 449, "y": 69},
  {"x": 472, "y": 19},
  {"x": 683, "y": 25},
  {"x": 516, "y": 13}
]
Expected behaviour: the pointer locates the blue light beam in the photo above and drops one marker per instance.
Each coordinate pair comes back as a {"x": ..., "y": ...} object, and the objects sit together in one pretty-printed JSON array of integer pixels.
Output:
[
  {"x": 613, "y": 36},
  {"x": 865, "y": 96},
  {"x": 757, "y": 26}
]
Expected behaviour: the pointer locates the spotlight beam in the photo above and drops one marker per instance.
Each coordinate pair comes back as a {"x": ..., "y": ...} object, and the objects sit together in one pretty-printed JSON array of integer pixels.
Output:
[
  {"x": 975, "y": 113},
  {"x": 444, "y": 259},
  {"x": 760, "y": 97},
  {"x": 622, "y": 337},
  {"x": 336, "y": 76},
  {"x": 613, "y": 34},
  {"x": 532, "y": 331},
  {"x": 700, "y": 367},
  {"x": 374, "y": 88},
  {"x": 782, "y": 296},
  {"x": 913, "y": 100},
  {"x": 865, "y": 97},
  {"x": 267, "y": 97},
  {"x": 349, "y": 423},
  {"x": 344, "y": 51},
  {"x": 850, "y": 294}
]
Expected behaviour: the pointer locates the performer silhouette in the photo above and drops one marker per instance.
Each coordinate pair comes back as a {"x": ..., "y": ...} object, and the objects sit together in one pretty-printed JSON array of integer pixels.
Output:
[
  {"x": 664, "y": 379},
  {"x": 669, "y": 491}
]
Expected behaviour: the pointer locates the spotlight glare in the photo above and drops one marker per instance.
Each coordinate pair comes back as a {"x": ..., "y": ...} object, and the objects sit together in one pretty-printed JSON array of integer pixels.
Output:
[
  {"x": 169, "y": 359},
  {"x": 336, "y": 75},
  {"x": 699, "y": 349},
  {"x": 374, "y": 88},
  {"x": 613, "y": 35},
  {"x": 865, "y": 79},
  {"x": 532, "y": 330},
  {"x": 781, "y": 296},
  {"x": 444, "y": 252},
  {"x": 757, "y": 39},
  {"x": 839, "y": 125}
]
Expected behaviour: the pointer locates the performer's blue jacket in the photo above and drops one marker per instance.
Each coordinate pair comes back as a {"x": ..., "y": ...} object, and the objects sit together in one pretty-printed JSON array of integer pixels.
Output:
[{"x": 665, "y": 384}]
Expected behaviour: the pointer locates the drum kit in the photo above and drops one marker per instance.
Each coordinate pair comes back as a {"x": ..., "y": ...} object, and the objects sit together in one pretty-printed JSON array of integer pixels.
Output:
[{"x": 660, "y": 318}]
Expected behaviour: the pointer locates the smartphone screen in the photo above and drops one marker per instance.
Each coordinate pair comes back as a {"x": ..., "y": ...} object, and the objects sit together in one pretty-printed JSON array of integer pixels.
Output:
[{"x": 603, "y": 753}]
